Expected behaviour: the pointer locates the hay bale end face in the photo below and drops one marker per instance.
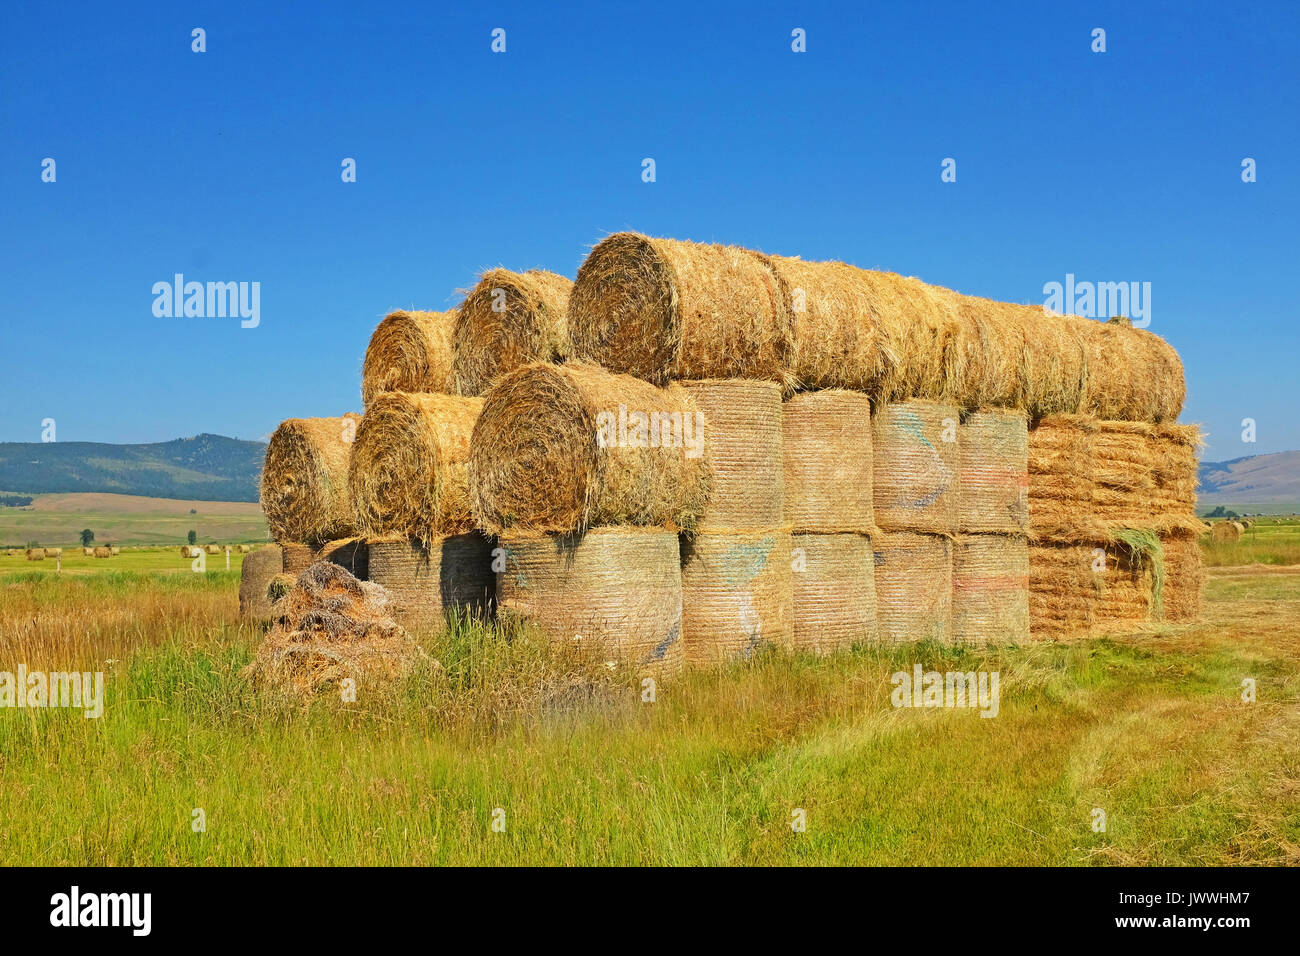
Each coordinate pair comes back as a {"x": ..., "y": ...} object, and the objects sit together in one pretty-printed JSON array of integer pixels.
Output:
[
  {"x": 737, "y": 595},
  {"x": 296, "y": 557},
  {"x": 743, "y": 422},
  {"x": 304, "y": 479},
  {"x": 990, "y": 589},
  {"x": 993, "y": 477},
  {"x": 35, "y": 554},
  {"x": 916, "y": 458},
  {"x": 103, "y": 552},
  {"x": 834, "y": 591},
  {"x": 1064, "y": 589},
  {"x": 1185, "y": 578},
  {"x": 432, "y": 583},
  {"x": 510, "y": 319},
  {"x": 913, "y": 587},
  {"x": 409, "y": 352},
  {"x": 826, "y": 438}
]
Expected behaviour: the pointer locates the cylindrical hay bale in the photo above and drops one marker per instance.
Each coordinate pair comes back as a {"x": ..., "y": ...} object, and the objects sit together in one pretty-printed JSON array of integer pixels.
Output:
[
  {"x": 255, "y": 576},
  {"x": 1184, "y": 578},
  {"x": 987, "y": 352},
  {"x": 351, "y": 554},
  {"x": 619, "y": 589},
  {"x": 115, "y": 551},
  {"x": 662, "y": 309},
  {"x": 35, "y": 554},
  {"x": 1061, "y": 479},
  {"x": 1219, "y": 531},
  {"x": 510, "y": 319},
  {"x": 990, "y": 589},
  {"x": 743, "y": 422},
  {"x": 913, "y": 587},
  {"x": 244, "y": 549},
  {"x": 737, "y": 595},
  {"x": 408, "y": 473},
  {"x": 87, "y": 552},
  {"x": 213, "y": 549},
  {"x": 834, "y": 591},
  {"x": 296, "y": 558},
  {"x": 305, "y": 479},
  {"x": 993, "y": 479},
  {"x": 102, "y": 552},
  {"x": 568, "y": 447},
  {"x": 451, "y": 577},
  {"x": 826, "y": 438},
  {"x": 409, "y": 352},
  {"x": 1133, "y": 374},
  {"x": 54, "y": 552},
  {"x": 916, "y": 463},
  {"x": 1054, "y": 365},
  {"x": 1064, "y": 590}
]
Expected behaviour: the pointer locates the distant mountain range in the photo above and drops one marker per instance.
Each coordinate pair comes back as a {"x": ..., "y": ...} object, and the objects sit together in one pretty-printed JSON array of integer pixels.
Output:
[
  {"x": 1256, "y": 480},
  {"x": 204, "y": 468}
]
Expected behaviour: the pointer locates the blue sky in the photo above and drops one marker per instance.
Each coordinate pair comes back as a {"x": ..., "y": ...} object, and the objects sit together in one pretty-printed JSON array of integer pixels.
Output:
[{"x": 225, "y": 166}]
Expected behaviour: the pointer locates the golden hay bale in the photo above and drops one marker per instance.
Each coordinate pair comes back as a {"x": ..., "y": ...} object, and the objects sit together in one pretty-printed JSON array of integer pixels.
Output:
[
  {"x": 990, "y": 589},
  {"x": 510, "y": 319},
  {"x": 87, "y": 552},
  {"x": 54, "y": 552},
  {"x": 35, "y": 554},
  {"x": 993, "y": 477},
  {"x": 1133, "y": 374},
  {"x": 826, "y": 437},
  {"x": 213, "y": 549},
  {"x": 743, "y": 421},
  {"x": 1054, "y": 365},
  {"x": 408, "y": 473},
  {"x": 913, "y": 587},
  {"x": 432, "y": 583},
  {"x": 1064, "y": 591},
  {"x": 617, "y": 589},
  {"x": 296, "y": 558},
  {"x": 115, "y": 551},
  {"x": 102, "y": 552},
  {"x": 1128, "y": 591},
  {"x": 916, "y": 464},
  {"x": 737, "y": 595},
  {"x": 351, "y": 554},
  {"x": 409, "y": 352},
  {"x": 568, "y": 447},
  {"x": 987, "y": 355},
  {"x": 254, "y": 578},
  {"x": 664, "y": 309},
  {"x": 12, "y": 552},
  {"x": 305, "y": 479},
  {"x": 1185, "y": 578},
  {"x": 1061, "y": 449},
  {"x": 834, "y": 591},
  {"x": 245, "y": 549}
]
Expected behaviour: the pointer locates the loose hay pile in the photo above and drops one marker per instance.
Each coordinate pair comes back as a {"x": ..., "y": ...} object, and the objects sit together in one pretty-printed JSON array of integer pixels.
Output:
[
  {"x": 915, "y": 451},
  {"x": 508, "y": 320},
  {"x": 304, "y": 479},
  {"x": 409, "y": 352},
  {"x": 737, "y": 595},
  {"x": 834, "y": 591},
  {"x": 828, "y": 467},
  {"x": 990, "y": 589},
  {"x": 743, "y": 423},
  {"x": 434, "y": 582},
  {"x": 255, "y": 577}
]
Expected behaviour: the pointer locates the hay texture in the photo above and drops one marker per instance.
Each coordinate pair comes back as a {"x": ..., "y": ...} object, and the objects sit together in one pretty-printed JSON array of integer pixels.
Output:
[
  {"x": 617, "y": 589},
  {"x": 432, "y": 583},
  {"x": 990, "y": 589},
  {"x": 993, "y": 476},
  {"x": 663, "y": 309},
  {"x": 305, "y": 479},
  {"x": 1054, "y": 365},
  {"x": 1060, "y": 454},
  {"x": 913, "y": 587},
  {"x": 1133, "y": 374},
  {"x": 1130, "y": 589},
  {"x": 737, "y": 595},
  {"x": 743, "y": 421},
  {"x": 351, "y": 554},
  {"x": 1064, "y": 591},
  {"x": 35, "y": 554},
  {"x": 986, "y": 355},
  {"x": 568, "y": 447},
  {"x": 296, "y": 557},
  {"x": 409, "y": 352},
  {"x": 1185, "y": 578},
  {"x": 834, "y": 591},
  {"x": 408, "y": 474},
  {"x": 102, "y": 552},
  {"x": 1219, "y": 531},
  {"x": 826, "y": 439},
  {"x": 255, "y": 576},
  {"x": 88, "y": 552},
  {"x": 213, "y": 549},
  {"x": 510, "y": 319},
  {"x": 54, "y": 552},
  {"x": 915, "y": 452}
]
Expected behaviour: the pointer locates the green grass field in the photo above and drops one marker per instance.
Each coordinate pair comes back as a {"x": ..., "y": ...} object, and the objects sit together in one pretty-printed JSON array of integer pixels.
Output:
[
  {"x": 1267, "y": 541},
  {"x": 57, "y": 521},
  {"x": 131, "y": 559}
]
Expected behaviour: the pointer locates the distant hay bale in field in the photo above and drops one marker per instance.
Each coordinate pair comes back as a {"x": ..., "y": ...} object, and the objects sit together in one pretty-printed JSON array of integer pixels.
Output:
[
  {"x": 993, "y": 476},
  {"x": 664, "y": 309},
  {"x": 244, "y": 549},
  {"x": 409, "y": 352},
  {"x": 115, "y": 551},
  {"x": 351, "y": 554},
  {"x": 913, "y": 587},
  {"x": 102, "y": 552},
  {"x": 408, "y": 474},
  {"x": 54, "y": 552},
  {"x": 35, "y": 554},
  {"x": 304, "y": 479},
  {"x": 213, "y": 549},
  {"x": 510, "y": 319},
  {"x": 617, "y": 589},
  {"x": 826, "y": 439},
  {"x": 88, "y": 552},
  {"x": 1133, "y": 374},
  {"x": 296, "y": 557},
  {"x": 255, "y": 576},
  {"x": 1054, "y": 366},
  {"x": 431, "y": 583},
  {"x": 990, "y": 589},
  {"x": 743, "y": 422},
  {"x": 188, "y": 552},
  {"x": 834, "y": 591},
  {"x": 1184, "y": 578},
  {"x": 1064, "y": 591},
  {"x": 12, "y": 552},
  {"x": 568, "y": 447},
  {"x": 916, "y": 465},
  {"x": 737, "y": 595}
]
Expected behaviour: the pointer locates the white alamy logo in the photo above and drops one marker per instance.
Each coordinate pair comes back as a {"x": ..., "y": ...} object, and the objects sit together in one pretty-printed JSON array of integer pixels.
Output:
[
  {"x": 80, "y": 691},
  {"x": 624, "y": 429},
  {"x": 75, "y": 908},
  {"x": 1100, "y": 300},
  {"x": 212, "y": 300},
  {"x": 924, "y": 688}
]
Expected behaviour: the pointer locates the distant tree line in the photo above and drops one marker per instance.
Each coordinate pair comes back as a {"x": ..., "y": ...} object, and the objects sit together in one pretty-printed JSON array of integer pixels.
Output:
[{"x": 15, "y": 501}]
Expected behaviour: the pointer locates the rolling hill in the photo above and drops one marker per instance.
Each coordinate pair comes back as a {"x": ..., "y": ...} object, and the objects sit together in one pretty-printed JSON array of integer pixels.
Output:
[{"x": 1267, "y": 483}]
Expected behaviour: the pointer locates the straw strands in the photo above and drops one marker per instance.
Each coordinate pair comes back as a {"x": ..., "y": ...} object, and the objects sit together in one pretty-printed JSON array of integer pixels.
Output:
[
  {"x": 255, "y": 576},
  {"x": 1184, "y": 578},
  {"x": 304, "y": 479},
  {"x": 916, "y": 464},
  {"x": 913, "y": 587},
  {"x": 834, "y": 596},
  {"x": 1064, "y": 591},
  {"x": 990, "y": 589},
  {"x": 826, "y": 438},
  {"x": 296, "y": 557},
  {"x": 743, "y": 421},
  {"x": 409, "y": 352},
  {"x": 351, "y": 554},
  {"x": 510, "y": 319},
  {"x": 993, "y": 490},
  {"x": 428, "y": 585},
  {"x": 1133, "y": 375},
  {"x": 737, "y": 595}
]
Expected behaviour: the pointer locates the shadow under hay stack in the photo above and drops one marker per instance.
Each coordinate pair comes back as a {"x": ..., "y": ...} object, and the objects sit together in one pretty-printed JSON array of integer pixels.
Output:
[
  {"x": 433, "y": 583},
  {"x": 409, "y": 352},
  {"x": 510, "y": 319}
]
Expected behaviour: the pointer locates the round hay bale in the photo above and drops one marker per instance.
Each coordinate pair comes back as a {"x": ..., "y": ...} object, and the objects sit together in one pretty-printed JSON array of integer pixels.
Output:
[
  {"x": 408, "y": 474},
  {"x": 619, "y": 589},
  {"x": 54, "y": 552},
  {"x": 213, "y": 549},
  {"x": 429, "y": 585},
  {"x": 245, "y": 549},
  {"x": 990, "y": 589},
  {"x": 987, "y": 355},
  {"x": 510, "y": 319},
  {"x": 1185, "y": 578},
  {"x": 568, "y": 447},
  {"x": 409, "y": 352},
  {"x": 254, "y": 578},
  {"x": 115, "y": 551},
  {"x": 296, "y": 558},
  {"x": 663, "y": 309},
  {"x": 913, "y": 587},
  {"x": 834, "y": 591},
  {"x": 305, "y": 477},
  {"x": 103, "y": 552},
  {"x": 743, "y": 420},
  {"x": 35, "y": 554},
  {"x": 1225, "y": 531},
  {"x": 916, "y": 463},
  {"x": 1054, "y": 365},
  {"x": 88, "y": 552},
  {"x": 1133, "y": 374},
  {"x": 351, "y": 554},
  {"x": 737, "y": 595},
  {"x": 12, "y": 552},
  {"x": 1064, "y": 591},
  {"x": 826, "y": 439},
  {"x": 993, "y": 476}
]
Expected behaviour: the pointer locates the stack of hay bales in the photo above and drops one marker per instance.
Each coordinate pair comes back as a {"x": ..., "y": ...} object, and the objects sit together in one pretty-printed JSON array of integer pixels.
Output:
[{"x": 304, "y": 490}]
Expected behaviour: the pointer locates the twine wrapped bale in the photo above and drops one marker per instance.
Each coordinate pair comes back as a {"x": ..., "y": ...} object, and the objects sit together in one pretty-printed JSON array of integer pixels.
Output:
[
  {"x": 296, "y": 557},
  {"x": 619, "y": 589},
  {"x": 510, "y": 319},
  {"x": 1054, "y": 365},
  {"x": 431, "y": 584},
  {"x": 304, "y": 479},
  {"x": 913, "y": 587},
  {"x": 54, "y": 552},
  {"x": 834, "y": 591},
  {"x": 663, "y": 309},
  {"x": 560, "y": 448},
  {"x": 1064, "y": 591},
  {"x": 737, "y": 595},
  {"x": 826, "y": 439},
  {"x": 255, "y": 576},
  {"x": 743, "y": 420},
  {"x": 102, "y": 552},
  {"x": 351, "y": 554},
  {"x": 916, "y": 463},
  {"x": 408, "y": 471},
  {"x": 990, "y": 589},
  {"x": 993, "y": 477},
  {"x": 35, "y": 554},
  {"x": 1184, "y": 578},
  {"x": 1133, "y": 374},
  {"x": 409, "y": 352},
  {"x": 1224, "y": 531}
]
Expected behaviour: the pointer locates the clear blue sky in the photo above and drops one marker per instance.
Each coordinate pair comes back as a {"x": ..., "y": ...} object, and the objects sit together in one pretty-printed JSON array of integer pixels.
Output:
[{"x": 225, "y": 166}]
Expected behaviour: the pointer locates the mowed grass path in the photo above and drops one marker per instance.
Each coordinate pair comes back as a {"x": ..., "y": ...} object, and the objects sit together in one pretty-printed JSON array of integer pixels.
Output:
[{"x": 1150, "y": 728}]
